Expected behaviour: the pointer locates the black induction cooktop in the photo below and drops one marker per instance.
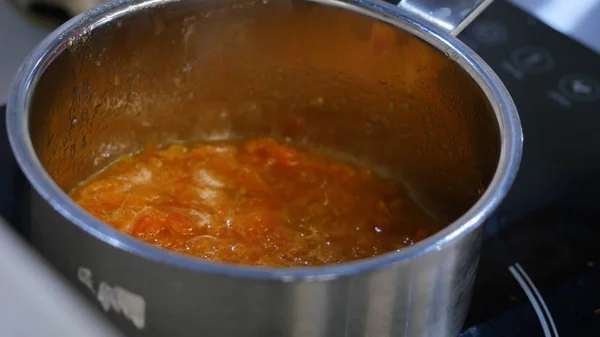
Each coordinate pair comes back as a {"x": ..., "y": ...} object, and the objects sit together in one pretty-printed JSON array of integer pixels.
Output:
[{"x": 539, "y": 273}]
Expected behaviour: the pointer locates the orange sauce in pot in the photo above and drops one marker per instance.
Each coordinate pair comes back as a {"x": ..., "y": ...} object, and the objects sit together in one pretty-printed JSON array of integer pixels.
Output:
[{"x": 259, "y": 202}]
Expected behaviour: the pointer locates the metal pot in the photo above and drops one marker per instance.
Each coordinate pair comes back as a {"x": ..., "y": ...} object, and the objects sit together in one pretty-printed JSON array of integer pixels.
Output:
[{"x": 410, "y": 101}]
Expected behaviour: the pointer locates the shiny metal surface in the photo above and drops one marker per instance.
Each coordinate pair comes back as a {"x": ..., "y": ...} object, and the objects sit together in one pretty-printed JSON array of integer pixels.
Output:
[
  {"x": 577, "y": 19},
  {"x": 451, "y": 16},
  {"x": 131, "y": 72},
  {"x": 36, "y": 301}
]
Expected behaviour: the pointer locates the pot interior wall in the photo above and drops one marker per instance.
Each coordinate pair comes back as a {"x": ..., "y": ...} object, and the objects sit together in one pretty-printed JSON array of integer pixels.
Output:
[{"x": 320, "y": 75}]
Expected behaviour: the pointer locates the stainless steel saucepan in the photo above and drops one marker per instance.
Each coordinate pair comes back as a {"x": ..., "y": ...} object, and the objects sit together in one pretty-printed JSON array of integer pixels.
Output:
[{"x": 389, "y": 86}]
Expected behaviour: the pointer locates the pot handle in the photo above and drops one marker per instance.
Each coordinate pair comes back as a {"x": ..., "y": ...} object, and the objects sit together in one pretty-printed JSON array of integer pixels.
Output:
[{"x": 451, "y": 16}]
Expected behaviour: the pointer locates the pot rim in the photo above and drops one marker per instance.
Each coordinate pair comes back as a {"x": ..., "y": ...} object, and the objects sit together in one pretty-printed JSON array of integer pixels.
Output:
[{"x": 511, "y": 140}]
